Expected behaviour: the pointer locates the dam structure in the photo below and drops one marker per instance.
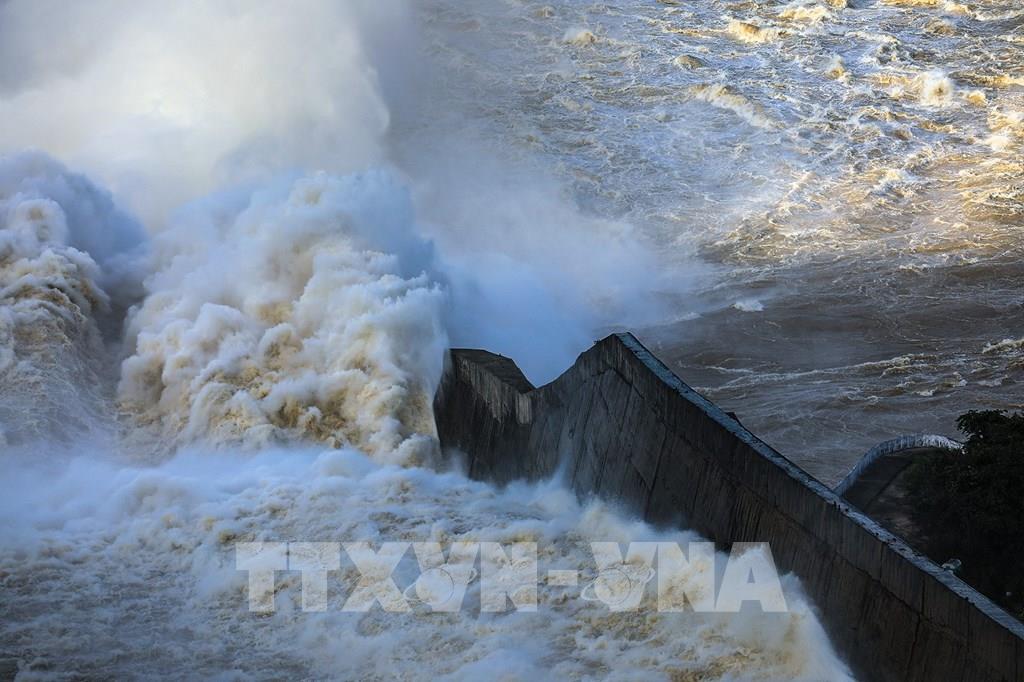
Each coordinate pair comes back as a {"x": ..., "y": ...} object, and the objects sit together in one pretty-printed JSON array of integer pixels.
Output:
[{"x": 620, "y": 425}]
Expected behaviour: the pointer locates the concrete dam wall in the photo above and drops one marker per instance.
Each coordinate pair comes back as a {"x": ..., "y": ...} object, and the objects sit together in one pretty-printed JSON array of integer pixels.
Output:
[{"x": 620, "y": 425}]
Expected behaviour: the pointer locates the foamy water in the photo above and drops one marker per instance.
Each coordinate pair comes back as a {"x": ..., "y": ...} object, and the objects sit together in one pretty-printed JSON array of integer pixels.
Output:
[
  {"x": 119, "y": 552},
  {"x": 855, "y": 167},
  {"x": 224, "y": 316},
  {"x": 228, "y": 283},
  {"x": 131, "y": 572}
]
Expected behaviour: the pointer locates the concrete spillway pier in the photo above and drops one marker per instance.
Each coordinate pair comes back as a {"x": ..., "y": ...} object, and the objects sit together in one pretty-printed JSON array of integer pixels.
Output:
[
  {"x": 623, "y": 427},
  {"x": 878, "y": 483}
]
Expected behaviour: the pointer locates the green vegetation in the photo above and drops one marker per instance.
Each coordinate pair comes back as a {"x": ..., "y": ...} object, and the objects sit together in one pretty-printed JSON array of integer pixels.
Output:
[{"x": 970, "y": 506}]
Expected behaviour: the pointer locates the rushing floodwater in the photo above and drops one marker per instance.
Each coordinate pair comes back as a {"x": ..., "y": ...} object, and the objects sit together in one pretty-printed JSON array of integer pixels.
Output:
[
  {"x": 812, "y": 211},
  {"x": 848, "y": 173},
  {"x": 240, "y": 341}
]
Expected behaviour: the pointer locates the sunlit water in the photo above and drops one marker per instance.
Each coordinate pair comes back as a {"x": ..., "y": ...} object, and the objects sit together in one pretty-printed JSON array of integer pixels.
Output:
[
  {"x": 833, "y": 192},
  {"x": 850, "y": 171},
  {"x": 240, "y": 341}
]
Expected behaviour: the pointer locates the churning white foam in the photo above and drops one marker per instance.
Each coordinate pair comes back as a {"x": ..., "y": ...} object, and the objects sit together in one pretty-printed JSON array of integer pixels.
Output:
[
  {"x": 161, "y": 540},
  {"x": 749, "y": 305},
  {"x": 302, "y": 311},
  {"x": 63, "y": 245},
  {"x": 579, "y": 36},
  {"x": 752, "y": 33},
  {"x": 724, "y": 97},
  {"x": 285, "y": 310},
  {"x": 935, "y": 88}
]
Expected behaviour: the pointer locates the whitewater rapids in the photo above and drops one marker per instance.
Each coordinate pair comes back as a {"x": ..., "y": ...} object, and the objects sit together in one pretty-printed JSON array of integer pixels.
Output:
[
  {"x": 267, "y": 326},
  {"x": 848, "y": 173},
  {"x": 224, "y": 310}
]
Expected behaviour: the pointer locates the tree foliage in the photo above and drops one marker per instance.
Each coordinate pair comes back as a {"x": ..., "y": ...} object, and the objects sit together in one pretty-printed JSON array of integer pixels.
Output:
[{"x": 970, "y": 505}]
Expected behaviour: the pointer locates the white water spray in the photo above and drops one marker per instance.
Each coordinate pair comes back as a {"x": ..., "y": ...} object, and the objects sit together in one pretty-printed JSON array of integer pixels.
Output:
[{"x": 281, "y": 308}]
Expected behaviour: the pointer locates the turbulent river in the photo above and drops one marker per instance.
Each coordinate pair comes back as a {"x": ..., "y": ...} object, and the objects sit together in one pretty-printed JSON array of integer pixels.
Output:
[
  {"x": 237, "y": 238},
  {"x": 848, "y": 174}
]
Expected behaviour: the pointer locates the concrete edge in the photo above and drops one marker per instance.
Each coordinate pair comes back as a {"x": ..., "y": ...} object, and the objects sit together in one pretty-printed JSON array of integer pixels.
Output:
[
  {"x": 891, "y": 447},
  {"x": 983, "y": 604},
  {"x": 962, "y": 589}
]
